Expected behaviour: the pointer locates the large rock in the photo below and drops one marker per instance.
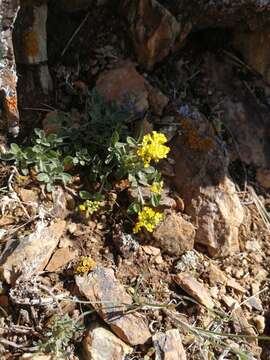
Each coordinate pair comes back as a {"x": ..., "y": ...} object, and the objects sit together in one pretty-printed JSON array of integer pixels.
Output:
[
  {"x": 153, "y": 30},
  {"x": 174, "y": 235},
  {"x": 124, "y": 85},
  {"x": 100, "y": 344},
  {"x": 245, "y": 117},
  {"x": 222, "y": 13},
  {"x": 201, "y": 168},
  {"x": 255, "y": 49},
  {"x": 158, "y": 27},
  {"x": 30, "y": 254},
  {"x": 30, "y": 45},
  {"x": 9, "y": 119},
  {"x": 169, "y": 346},
  {"x": 111, "y": 301}
]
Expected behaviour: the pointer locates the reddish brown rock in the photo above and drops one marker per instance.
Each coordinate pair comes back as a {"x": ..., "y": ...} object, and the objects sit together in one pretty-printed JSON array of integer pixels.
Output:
[
  {"x": 157, "y": 100},
  {"x": 154, "y": 31},
  {"x": 111, "y": 301},
  {"x": 195, "y": 289},
  {"x": 30, "y": 254},
  {"x": 169, "y": 346},
  {"x": 202, "y": 180},
  {"x": 174, "y": 235},
  {"x": 124, "y": 85}
]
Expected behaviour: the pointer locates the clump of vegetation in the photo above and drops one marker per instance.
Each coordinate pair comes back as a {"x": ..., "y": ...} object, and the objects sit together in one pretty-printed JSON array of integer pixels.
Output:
[
  {"x": 100, "y": 147},
  {"x": 61, "y": 330}
]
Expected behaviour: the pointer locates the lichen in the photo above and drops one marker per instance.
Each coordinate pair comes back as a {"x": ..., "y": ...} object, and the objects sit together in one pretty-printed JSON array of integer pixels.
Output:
[
  {"x": 194, "y": 140},
  {"x": 30, "y": 43}
]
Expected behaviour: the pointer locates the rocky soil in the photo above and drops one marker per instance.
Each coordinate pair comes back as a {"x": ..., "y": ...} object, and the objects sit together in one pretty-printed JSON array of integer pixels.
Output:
[{"x": 198, "y": 286}]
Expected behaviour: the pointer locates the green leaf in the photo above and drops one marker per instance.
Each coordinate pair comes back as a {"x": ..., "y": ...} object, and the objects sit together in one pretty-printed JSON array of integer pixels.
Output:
[
  {"x": 155, "y": 199},
  {"x": 65, "y": 177},
  {"x": 7, "y": 157},
  {"x": 131, "y": 141},
  {"x": 43, "y": 177},
  {"x": 49, "y": 187},
  {"x": 115, "y": 138},
  {"x": 85, "y": 195},
  {"x": 134, "y": 208},
  {"x": 15, "y": 149},
  {"x": 142, "y": 178}
]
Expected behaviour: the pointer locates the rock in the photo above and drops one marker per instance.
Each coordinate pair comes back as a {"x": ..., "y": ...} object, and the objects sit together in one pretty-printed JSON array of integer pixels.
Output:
[
  {"x": 246, "y": 118},
  {"x": 174, "y": 235},
  {"x": 60, "y": 258},
  {"x": 169, "y": 346},
  {"x": 151, "y": 250},
  {"x": 30, "y": 42},
  {"x": 8, "y": 78},
  {"x": 241, "y": 323},
  {"x": 29, "y": 197},
  {"x": 263, "y": 178},
  {"x": 194, "y": 289},
  {"x": 124, "y": 85},
  {"x": 157, "y": 100},
  {"x": 101, "y": 287},
  {"x": 30, "y": 254},
  {"x": 255, "y": 49},
  {"x": 154, "y": 31},
  {"x": 74, "y": 5},
  {"x": 30, "y": 356},
  {"x": 259, "y": 322},
  {"x": 231, "y": 283},
  {"x": 202, "y": 180},
  {"x": 100, "y": 344},
  {"x": 59, "y": 202},
  {"x": 216, "y": 276},
  {"x": 221, "y": 14}
]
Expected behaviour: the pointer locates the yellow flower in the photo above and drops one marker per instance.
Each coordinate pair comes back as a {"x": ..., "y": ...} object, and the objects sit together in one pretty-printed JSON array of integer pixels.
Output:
[
  {"x": 82, "y": 207},
  {"x": 153, "y": 148},
  {"x": 147, "y": 218},
  {"x": 157, "y": 187},
  {"x": 86, "y": 264}
]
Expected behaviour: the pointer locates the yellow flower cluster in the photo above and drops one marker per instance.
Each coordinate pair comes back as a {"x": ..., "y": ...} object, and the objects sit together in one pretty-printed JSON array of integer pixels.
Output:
[
  {"x": 90, "y": 206},
  {"x": 147, "y": 218},
  {"x": 157, "y": 187},
  {"x": 153, "y": 148},
  {"x": 86, "y": 264}
]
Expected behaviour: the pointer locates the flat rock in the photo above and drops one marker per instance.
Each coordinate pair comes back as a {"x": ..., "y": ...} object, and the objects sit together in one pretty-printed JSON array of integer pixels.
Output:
[
  {"x": 174, "y": 235},
  {"x": 110, "y": 300},
  {"x": 60, "y": 258},
  {"x": 195, "y": 289},
  {"x": 169, "y": 346},
  {"x": 124, "y": 85},
  {"x": 101, "y": 344},
  {"x": 202, "y": 180},
  {"x": 30, "y": 254}
]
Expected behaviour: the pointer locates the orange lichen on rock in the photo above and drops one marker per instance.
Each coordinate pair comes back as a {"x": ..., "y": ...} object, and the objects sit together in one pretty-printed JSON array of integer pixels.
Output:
[
  {"x": 10, "y": 104},
  {"x": 31, "y": 44},
  {"x": 194, "y": 140}
]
